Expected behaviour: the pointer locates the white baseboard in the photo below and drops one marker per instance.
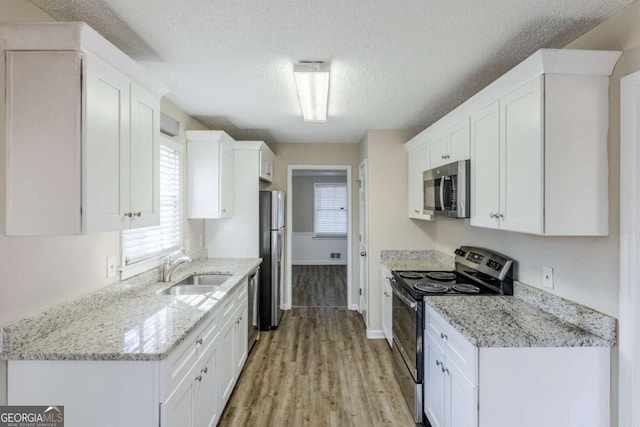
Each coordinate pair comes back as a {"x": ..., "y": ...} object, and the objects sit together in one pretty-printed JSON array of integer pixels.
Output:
[
  {"x": 320, "y": 262},
  {"x": 375, "y": 334},
  {"x": 354, "y": 307}
]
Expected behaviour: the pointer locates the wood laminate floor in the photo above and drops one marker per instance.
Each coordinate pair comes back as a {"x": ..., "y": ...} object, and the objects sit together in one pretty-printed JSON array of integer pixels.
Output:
[
  {"x": 317, "y": 369},
  {"x": 319, "y": 285}
]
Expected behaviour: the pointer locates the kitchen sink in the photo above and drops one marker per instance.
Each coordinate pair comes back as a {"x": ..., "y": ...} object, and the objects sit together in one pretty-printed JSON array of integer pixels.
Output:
[
  {"x": 198, "y": 284},
  {"x": 205, "y": 279}
]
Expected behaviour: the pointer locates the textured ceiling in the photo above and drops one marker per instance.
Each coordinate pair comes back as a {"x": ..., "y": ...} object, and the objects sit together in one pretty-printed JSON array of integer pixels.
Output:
[{"x": 394, "y": 64}]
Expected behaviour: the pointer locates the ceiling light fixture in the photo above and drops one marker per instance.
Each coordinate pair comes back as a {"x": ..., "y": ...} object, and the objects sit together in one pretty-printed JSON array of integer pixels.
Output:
[{"x": 312, "y": 80}]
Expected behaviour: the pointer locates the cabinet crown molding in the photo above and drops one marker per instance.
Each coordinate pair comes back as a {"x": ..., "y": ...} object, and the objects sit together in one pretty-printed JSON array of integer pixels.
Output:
[{"x": 76, "y": 36}]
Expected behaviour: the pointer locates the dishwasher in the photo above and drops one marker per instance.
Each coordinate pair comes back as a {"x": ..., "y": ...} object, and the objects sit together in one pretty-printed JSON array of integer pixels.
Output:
[{"x": 254, "y": 327}]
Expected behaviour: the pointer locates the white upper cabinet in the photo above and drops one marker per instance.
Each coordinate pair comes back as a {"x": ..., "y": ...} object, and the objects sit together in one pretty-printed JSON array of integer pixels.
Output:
[
  {"x": 266, "y": 163},
  {"x": 210, "y": 170},
  {"x": 452, "y": 145},
  {"x": 419, "y": 160},
  {"x": 538, "y": 145},
  {"x": 91, "y": 163}
]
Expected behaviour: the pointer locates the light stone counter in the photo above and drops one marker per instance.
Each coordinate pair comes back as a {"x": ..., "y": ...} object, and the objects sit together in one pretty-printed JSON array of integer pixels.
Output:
[
  {"x": 506, "y": 321},
  {"x": 529, "y": 318},
  {"x": 126, "y": 321},
  {"x": 425, "y": 260}
]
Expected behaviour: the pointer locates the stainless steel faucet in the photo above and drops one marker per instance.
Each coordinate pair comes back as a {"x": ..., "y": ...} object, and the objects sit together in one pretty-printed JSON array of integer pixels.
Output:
[{"x": 169, "y": 267}]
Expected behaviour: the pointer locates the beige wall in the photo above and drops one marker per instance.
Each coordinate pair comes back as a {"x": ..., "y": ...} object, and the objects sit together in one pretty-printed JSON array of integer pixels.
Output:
[
  {"x": 320, "y": 154},
  {"x": 389, "y": 224},
  {"x": 303, "y": 196}
]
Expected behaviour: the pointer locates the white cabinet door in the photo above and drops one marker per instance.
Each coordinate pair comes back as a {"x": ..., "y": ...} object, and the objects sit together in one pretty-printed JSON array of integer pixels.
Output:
[
  {"x": 105, "y": 147},
  {"x": 266, "y": 163},
  {"x": 206, "y": 402},
  {"x": 463, "y": 397},
  {"x": 177, "y": 411},
  {"x": 226, "y": 179},
  {"x": 145, "y": 158},
  {"x": 522, "y": 158},
  {"x": 241, "y": 340},
  {"x": 434, "y": 386},
  {"x": 386, "y": 305},
  {"x": 226, "y": 362},
  {"x": 458, "y": 136},
  {"x": 439, "y": 150},
  {"x": 419, "y": 160},
  {"x": 485, "y": 166}
]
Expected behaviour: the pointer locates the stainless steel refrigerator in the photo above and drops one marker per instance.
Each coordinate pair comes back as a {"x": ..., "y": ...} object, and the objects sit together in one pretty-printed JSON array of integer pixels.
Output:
[{"x": 272, "y": 254}]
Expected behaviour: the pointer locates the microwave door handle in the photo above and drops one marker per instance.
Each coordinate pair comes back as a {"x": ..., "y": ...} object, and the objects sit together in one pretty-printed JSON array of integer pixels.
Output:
[{"x": 442, "y": 193}]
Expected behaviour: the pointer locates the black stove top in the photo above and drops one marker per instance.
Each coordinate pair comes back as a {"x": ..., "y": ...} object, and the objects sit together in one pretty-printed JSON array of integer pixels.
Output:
[
  {"x": 477, "y": 272},
  {"x": 422, "y": 283}
]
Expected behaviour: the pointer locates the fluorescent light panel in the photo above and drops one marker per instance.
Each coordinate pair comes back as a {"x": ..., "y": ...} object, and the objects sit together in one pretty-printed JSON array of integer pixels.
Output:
[{"x": 312, "y": 80}]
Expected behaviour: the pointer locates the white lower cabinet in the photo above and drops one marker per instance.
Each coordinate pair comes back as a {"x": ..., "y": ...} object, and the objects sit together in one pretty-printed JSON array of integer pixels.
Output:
[
  {"x": 189, "y": 388},
  {"x": 387, "y": 304},
  {"x": 468, "y": 386}
]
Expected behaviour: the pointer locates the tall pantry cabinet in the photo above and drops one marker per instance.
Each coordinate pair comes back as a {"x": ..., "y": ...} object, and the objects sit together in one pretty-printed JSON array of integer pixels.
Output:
[{"x": 81, "y": 131}]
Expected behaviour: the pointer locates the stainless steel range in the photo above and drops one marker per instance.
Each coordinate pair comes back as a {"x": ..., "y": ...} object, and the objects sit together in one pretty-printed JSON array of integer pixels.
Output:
[{"x": 477, "y": 272}]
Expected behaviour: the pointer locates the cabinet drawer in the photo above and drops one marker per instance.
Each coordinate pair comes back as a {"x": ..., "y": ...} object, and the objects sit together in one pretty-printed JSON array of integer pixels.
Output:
[
  {"x": 457, "y": 348},
  {"x": 181, "y": 360}
]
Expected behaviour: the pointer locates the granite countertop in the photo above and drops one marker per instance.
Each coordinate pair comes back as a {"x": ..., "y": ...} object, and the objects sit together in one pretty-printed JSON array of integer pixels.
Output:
[
  {"x": 127, "y": 321},
  {"x": 506, "y": 321},
  {"x": 529, "y": 318},
  {"x": 417, "y": 260}
]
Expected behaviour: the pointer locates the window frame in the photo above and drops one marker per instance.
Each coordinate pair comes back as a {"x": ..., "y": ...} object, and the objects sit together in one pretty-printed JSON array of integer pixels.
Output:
[
  {"x": 156, "y": 259},
  {"x": 317, "y": 235}
]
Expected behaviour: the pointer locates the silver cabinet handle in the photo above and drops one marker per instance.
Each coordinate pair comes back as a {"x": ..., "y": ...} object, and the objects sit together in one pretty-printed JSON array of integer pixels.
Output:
[
  {"x": 199, "y": 378},
  {"x": 199, "y": 342},
  {"x": 492, "y": 215},
  {"x": 268, "y": 173},
  {"x": 363, "y": 253},
  {"x": 443, "y": 336},
  {"x": 416, "y": 211},
  {"x": 204, "y": 371},
  {"x": 137, "y": 214},
  {"x": 438, "y": 363},
  {"x": 128, "y": 214},
  {"x": 499, "y": 216},
  {"x": 445, "y": 370}
]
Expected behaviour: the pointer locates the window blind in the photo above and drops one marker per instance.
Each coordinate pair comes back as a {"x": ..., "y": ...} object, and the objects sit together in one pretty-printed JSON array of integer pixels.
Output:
[
  {"x": 144, "y": 243},
  {"x": 330, "y": 209}
]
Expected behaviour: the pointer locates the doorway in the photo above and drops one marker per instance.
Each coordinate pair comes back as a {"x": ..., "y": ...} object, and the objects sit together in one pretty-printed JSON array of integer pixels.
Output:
[{"x": 318, "y": 232}]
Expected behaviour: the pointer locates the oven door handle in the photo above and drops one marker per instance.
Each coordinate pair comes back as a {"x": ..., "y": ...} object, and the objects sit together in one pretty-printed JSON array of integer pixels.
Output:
[{"x": 405, "y": 300}]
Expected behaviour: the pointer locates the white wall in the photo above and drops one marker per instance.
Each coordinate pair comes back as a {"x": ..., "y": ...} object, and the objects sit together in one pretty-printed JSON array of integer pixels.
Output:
[{"x": 309, "y": 250}]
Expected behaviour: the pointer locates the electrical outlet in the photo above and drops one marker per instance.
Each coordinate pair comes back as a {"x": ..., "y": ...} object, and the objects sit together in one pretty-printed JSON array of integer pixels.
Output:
[
  {"x": 111, "y": 266},
  {"x": 338, "y": 254},
  {"x": 187, "y": 245},
  {"x": 547, "y": 277}
]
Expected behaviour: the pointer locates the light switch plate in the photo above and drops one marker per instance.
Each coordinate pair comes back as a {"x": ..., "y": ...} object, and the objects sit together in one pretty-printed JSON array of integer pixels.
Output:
[
  {"x": 111, "y": 267},
  {"x": 547, "y": 277}
]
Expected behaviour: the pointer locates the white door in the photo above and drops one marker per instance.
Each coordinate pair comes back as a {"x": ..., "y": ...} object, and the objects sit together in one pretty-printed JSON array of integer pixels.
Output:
[
  {"x": 485, "y": 167},
  {"x": 364, "y": 264},
  {"x": 521, "y": 158}
]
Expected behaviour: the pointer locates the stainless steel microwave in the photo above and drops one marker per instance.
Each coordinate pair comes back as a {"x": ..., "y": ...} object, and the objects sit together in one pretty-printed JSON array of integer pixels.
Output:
[{"x": 446, "y": 190}]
